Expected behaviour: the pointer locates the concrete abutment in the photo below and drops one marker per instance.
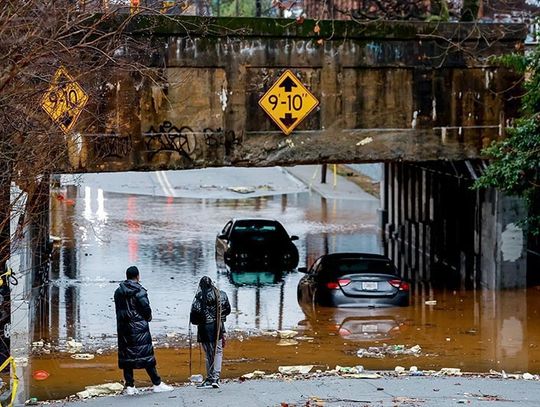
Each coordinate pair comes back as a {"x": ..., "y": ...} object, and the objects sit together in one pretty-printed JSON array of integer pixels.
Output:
[{"x": 438, "y": 229}]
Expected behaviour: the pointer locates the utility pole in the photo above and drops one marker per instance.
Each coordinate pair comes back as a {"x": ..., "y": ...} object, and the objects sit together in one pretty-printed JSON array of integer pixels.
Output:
[{"x": 323, "y": 173}]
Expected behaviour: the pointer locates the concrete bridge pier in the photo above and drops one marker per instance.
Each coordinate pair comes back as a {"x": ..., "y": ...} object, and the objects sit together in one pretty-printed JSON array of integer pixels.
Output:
[{"x": 439, "y": 230}]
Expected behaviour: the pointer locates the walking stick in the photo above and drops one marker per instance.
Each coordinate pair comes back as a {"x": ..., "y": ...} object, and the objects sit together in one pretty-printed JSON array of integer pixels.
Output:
[{"x": 190, "y": 350}]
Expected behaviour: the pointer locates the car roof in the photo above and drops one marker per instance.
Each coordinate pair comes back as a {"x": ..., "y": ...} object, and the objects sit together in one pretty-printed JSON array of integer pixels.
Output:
[
  {"x": 353, "y": 255},
  {"x": 253, "y": 220}
]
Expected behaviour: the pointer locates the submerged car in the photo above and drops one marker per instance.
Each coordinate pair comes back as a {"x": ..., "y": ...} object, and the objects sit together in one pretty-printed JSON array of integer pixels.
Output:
[
  {"x": 256, "y": 244},
  {"x": 353, "y": 280}
]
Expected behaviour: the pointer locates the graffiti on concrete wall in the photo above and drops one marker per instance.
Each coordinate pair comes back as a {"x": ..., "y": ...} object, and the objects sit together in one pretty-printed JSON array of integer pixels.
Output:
[
  {"x": 169, "y": 138},
  {"x": 188, "y": 143},
  {"x": 111, "y": 145},
  {"x": 218, "y": 138}
]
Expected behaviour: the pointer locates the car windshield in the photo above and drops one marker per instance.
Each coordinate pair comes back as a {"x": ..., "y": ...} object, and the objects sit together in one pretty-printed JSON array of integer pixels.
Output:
[
  {"x": 257, "y": 230},
  {"x": 354, "y": 265}
]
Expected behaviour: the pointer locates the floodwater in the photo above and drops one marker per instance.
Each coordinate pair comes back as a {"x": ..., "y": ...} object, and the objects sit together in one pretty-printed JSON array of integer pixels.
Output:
[{"x": 171, "y": 240}]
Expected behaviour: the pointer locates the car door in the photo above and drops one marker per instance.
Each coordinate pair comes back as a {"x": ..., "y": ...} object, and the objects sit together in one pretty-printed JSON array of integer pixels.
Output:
[{"x": 222, "y": 241}]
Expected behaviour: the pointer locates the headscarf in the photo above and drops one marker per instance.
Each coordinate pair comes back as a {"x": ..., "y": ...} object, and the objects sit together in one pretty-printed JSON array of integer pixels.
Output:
[{"x": 206, "y": 291}]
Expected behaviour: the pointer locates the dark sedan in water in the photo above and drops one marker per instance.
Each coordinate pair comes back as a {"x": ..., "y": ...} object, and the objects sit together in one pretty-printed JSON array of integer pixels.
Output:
[
  {"x": 353, "y": 280},
  {"x": 255, "y": 244}
]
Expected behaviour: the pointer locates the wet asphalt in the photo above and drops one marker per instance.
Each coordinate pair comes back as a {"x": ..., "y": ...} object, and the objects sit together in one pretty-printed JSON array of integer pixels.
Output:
[{"x": 336, "y": 391}]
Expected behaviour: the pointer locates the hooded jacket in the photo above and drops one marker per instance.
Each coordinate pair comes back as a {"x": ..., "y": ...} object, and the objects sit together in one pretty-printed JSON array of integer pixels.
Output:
[
  {"x": 133, "y": 313},
  {"x": 204, "y": 314}
]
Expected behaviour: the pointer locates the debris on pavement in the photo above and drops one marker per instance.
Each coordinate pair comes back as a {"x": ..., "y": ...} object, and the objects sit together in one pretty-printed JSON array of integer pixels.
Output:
[
  {"x": 196, "y": 378},
  {"x": 355, "y": 372},
  {"x": 315, "y": 401},
  {"x": 346, "y": 369},
  {"x": 431, "y": 302},
  {"x": 257, "y": 374},
  {"x": 407, "y": 400},
  {"x": 449, "y": 371},
  {"x": 484, "y": 397},
  {"x": 100, "y": 390},
  {"x": 362, "y": 376},
  {"x": 504, "y": 375},
  {"x": 299, "y": 369}
]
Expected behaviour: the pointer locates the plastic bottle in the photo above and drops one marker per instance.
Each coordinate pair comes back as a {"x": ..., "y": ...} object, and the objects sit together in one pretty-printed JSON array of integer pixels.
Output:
[{"x": 196, "y": 378}]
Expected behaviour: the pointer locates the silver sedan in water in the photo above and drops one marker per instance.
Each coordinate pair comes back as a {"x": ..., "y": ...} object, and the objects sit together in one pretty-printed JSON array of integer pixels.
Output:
[{"x": 353, "y": 280}]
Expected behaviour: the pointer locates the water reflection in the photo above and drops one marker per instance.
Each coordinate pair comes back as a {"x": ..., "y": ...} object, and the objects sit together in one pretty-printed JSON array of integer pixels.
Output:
[
  {"x": 357, "y": 324},
  {"x": 255, "y": 278}
]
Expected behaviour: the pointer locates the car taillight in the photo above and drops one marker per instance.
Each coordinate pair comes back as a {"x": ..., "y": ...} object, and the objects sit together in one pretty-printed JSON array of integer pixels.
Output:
[
  {"x": 400, "y": 285},
  {"x": 344, "y": 332},
  {"x": 342, "y": 282}
]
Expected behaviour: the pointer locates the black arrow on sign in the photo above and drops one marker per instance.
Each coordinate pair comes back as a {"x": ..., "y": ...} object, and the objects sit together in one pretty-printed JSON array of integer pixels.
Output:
[
  {"x": 288, "y": 120},
  {"x": 287, "y": 84}
]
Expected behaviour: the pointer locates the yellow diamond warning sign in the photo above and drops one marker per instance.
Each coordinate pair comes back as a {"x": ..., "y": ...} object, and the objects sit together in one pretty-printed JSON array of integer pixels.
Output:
[
  {"x": 288, "y": 102},
  {"x": 64, "y": 101}
]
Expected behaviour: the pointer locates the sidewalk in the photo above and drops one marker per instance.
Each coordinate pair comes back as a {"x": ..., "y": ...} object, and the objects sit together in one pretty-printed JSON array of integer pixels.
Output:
[
  {"x": 344, "y": 189},
  {"x": 336, "y": 391}
]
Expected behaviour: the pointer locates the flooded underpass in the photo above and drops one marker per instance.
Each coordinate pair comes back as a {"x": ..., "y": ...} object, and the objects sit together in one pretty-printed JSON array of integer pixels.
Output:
[{"x": 103, "y": 226}]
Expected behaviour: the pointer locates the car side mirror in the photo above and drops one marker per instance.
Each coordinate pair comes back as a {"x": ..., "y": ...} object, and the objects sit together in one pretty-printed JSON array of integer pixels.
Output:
[
  {"x": 293, "y": 238},
  {"x": 302, "y": 270},
  {"x": 222, "y": 236}
]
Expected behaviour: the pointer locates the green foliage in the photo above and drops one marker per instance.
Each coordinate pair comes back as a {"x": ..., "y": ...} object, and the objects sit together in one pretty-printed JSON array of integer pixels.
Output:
[
  {"x": 515, "y": 161},
  {"x": 439, "y": 10},
  {"x": 240, "y": 8}
]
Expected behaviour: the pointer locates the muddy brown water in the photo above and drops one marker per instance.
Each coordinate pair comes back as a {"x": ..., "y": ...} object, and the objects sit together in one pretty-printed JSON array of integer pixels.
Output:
[
  {"x": 172, "y": 243},
  {"x": 472, "y": 331}
]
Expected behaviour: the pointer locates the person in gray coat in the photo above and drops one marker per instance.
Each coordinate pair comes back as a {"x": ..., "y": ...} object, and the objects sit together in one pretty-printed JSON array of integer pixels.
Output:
[{"x": 209, "y": 311}]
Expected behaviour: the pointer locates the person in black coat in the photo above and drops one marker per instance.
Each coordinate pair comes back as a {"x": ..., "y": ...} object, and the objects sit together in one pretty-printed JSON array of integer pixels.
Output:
[
  {"x": 209, "y": 311},
  {"x": 135, "y": 349}
]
